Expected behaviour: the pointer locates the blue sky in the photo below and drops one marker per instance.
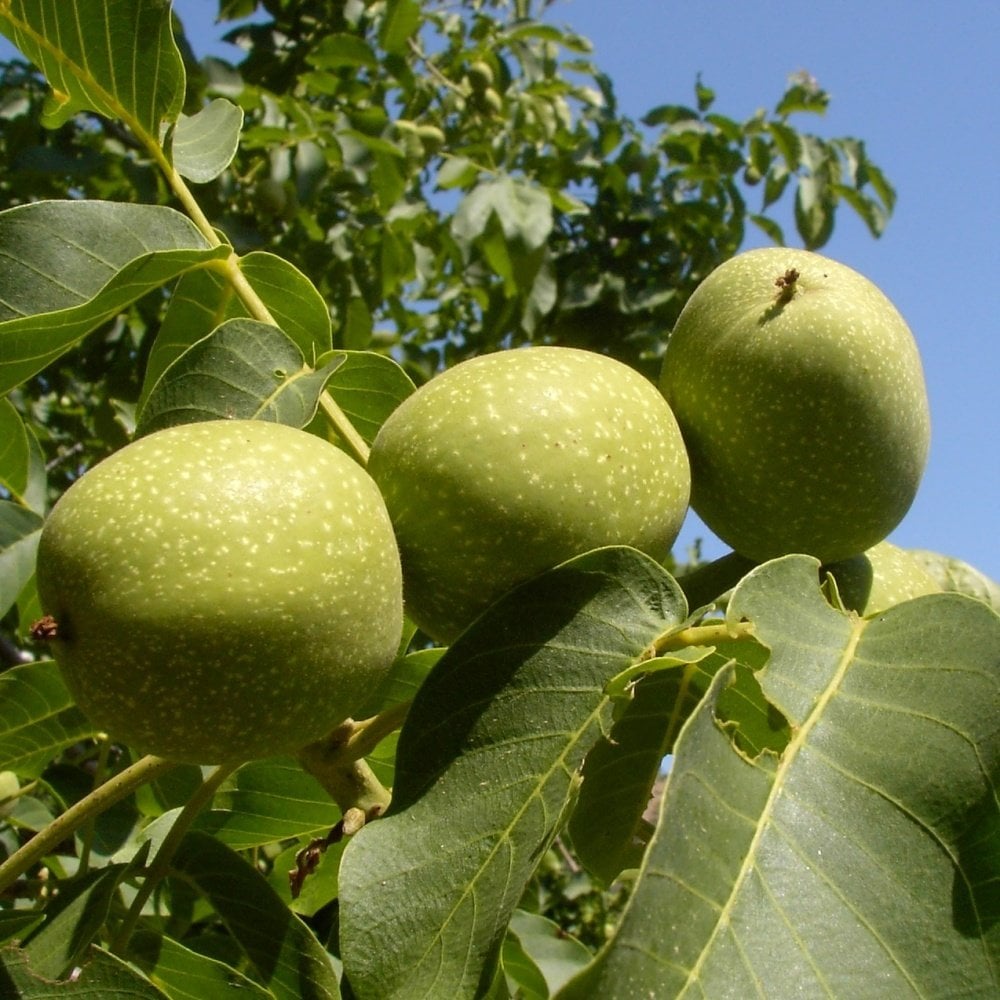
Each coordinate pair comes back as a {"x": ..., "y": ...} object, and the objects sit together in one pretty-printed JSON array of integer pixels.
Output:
[{"x": 918, "y": 83}]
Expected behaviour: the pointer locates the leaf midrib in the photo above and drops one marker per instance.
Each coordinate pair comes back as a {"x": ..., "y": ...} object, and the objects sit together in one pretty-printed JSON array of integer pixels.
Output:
[{"x": 798, "y": 741}]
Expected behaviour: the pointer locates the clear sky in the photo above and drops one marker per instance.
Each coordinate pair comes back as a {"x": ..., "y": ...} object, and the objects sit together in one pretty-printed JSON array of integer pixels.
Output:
[{"x": 918, "y": 82}]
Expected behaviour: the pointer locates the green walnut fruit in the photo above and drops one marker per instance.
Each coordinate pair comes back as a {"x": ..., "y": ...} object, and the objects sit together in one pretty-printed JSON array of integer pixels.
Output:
[
  {"x": 480, "y": 75},
  {"x": 800, "y": 393},
  {"x": 510, "y": 463},
  {"x": 221, "y": 591},
  {"x": 959, "y": 577},
  {"x": 880, "y": 578}
]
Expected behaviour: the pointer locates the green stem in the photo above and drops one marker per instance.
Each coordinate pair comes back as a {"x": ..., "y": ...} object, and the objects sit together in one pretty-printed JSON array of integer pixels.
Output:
[
  {"x": 230, "y": 269},
  {"x": 348, "y": 780},
  {"x": 343, "y": 426},
  {"x": 704, "y": 635},
  {"x": 368, "y": 733},
  {"x": 185, "y": 197},
  {"x": 160, "y": 866},
  {"x": 247, "y": 293},
  {"x": 112, "y": 791}
]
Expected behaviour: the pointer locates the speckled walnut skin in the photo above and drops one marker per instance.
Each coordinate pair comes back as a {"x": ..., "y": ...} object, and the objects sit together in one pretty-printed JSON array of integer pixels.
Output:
[
  {"x": 510, "y": 463},
  {"x": 800, "y": 393},
  {"x": 223, "y": 590},
  {"x": 881, "y": 578}
]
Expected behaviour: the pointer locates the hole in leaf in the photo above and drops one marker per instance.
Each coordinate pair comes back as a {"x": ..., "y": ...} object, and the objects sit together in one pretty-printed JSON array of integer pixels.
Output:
[{"x": 752, "y": 723}]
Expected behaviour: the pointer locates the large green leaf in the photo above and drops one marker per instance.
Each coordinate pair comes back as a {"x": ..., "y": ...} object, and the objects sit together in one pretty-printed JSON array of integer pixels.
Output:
[
  {"x": 858, "y": 861},
  {"x": 184, "y": 974},
  {"x": 15, "y": 452},
  {"x": 20, "y": 529},
  {"x": 267, "y": 801},
  {"x": 68, "y": 266},
  {"x": 399, "y": 23},
  {"x": 115, "y": 57},
  {"x": 292, "y": 299},
  {"x": 244, "y": 369},
  {"x": 74, "y": 918},
  {"x": 283, "y": 953},
  {"x": 38, "y": 718},
  {"x": 102, "y": 975},
  {"x": 487, "y": 766}
]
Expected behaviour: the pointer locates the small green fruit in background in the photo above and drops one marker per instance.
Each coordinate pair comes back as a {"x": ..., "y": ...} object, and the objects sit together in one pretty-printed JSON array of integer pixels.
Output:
[
  {"x": 510, "y": 463},
  {"x": 880, "y": 578},
  {"x": 9, "y": 788},
  {"x": 800, "y": 393},
  {"x": 957, "y": 576},
  {"x": 222, "y": 591}
]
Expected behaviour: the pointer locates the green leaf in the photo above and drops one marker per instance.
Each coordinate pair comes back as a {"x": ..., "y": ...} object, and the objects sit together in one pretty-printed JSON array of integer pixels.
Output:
[
  {"x": 524, "y": 979},
  {"x": 885, "y": 191},
  {"x": 203, "y": 299},
  {"x": 15, "y": 452},
  {"x": 204, "y": 144},
  {"x": 199, "y": 302},
  {"x": 342, "y": 50},
  {"x": 874, "y": 216},
  {"x": 486, "y": 768},
  {"x": 38, "y": 718},
  {"x": 292, "y": 299},
  {"x": 16, "y": 924},
  {"x": 367, "y": 387},
  {"x": 102, "y": 975},
  {"x": 73, "y": 920},
  {"x": 860, "y": 860},
  {"x": 283, "y": 953},
  {"x": 788, "y": 144},
  {"x": 814, "y": 212},
  {"x": 397, "y": 262},
  {"x": 267, "y": 801},
  {"x": 607, "y": 828},
  {"x": 803, "y": 97},
  {"x": 557, "y": 956},
  {"x": 20, "y": 529},
  {"x": 68, "y": 266},
  {"x": 769, "y": 227},
  {"x": 115, "y": 57},
  {"x": 356, "y": 330},
  {"x": 705, "y": 95},
  {"x": 243, "y": 370},
  {"x": 22, "y": 463},
  {"x": 399, "y": 23},
  {"x": 184, "y": 974},
  {"x": 456, "y": 171},
  {"x": 524, "y": 213}
]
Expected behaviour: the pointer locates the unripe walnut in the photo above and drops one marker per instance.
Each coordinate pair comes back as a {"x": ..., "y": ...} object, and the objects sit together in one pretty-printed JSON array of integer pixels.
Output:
[
  {"x": 221, "y": 591},
  {"x": 510, "y": 463}
]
